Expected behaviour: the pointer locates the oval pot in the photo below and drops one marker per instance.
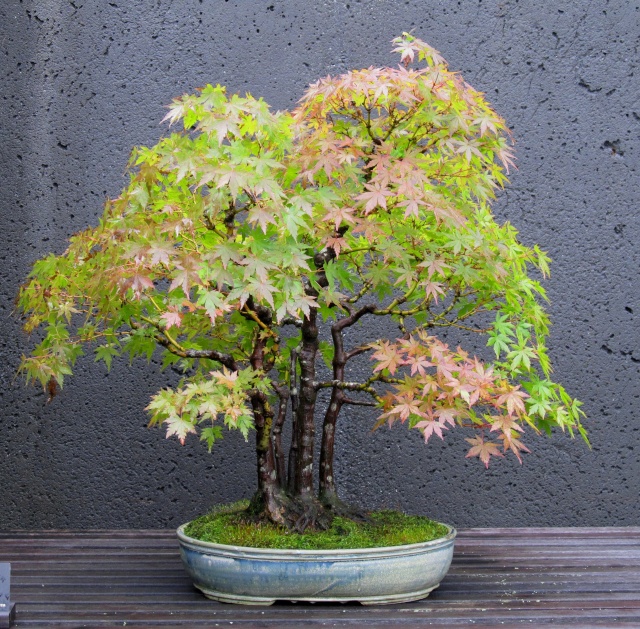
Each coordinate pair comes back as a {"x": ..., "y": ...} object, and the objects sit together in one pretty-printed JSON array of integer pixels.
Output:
[{"x": 260, "y": 576}]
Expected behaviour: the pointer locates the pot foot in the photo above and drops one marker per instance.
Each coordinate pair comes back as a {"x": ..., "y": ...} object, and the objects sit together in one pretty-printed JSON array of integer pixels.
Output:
[
  {"x": 399, "y": 598},
  {"x": 236, "y": 599}
]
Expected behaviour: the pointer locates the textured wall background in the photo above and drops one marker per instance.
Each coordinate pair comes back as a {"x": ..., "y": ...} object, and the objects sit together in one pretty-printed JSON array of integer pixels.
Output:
[{"x": 85, "y": 80}]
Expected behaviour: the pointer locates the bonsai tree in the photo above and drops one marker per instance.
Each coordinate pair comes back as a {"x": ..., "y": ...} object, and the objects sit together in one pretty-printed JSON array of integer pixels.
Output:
[{"x": 245, "y": 232}]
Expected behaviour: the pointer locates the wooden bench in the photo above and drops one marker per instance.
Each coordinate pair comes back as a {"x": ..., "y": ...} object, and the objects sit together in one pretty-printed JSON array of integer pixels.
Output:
[{"x": 585, "y": 577}]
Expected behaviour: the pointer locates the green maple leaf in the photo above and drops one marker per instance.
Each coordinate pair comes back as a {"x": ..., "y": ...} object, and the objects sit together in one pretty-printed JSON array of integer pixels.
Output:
[
  {"x": 228, "y": 252},
  {"x": 293, "y": 220},
  {"x": 210, "y": 435},
  {"x": 256, "y": 268},
  {"x": 233, "y": 178},
  {"x": 262, "y": 290},
  {"x": 214, "y": 303},
  {"x": 106, "y": 353}
]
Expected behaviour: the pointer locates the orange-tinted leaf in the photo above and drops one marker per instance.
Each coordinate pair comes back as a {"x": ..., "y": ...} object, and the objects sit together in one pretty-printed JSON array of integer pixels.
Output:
[{"x": 484, "y": 450}]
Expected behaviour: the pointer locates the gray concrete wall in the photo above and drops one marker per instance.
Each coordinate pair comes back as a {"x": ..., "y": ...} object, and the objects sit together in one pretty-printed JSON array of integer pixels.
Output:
[{"x": 85, "y": 80}]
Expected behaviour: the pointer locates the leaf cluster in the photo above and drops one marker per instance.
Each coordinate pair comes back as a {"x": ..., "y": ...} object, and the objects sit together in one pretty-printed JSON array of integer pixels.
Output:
[{"x": 244, "y": 220}]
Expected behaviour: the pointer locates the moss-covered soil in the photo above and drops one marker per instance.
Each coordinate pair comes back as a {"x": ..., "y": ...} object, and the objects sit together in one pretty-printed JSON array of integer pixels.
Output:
[{"x": 231, "y": 525}]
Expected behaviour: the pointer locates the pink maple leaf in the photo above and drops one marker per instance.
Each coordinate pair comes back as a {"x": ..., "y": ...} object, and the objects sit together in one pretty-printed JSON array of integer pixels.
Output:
[
  {"x": 430, "y": 427},
  {"x": 376, "y": 196},
  {"x": 172, "y": 318}
]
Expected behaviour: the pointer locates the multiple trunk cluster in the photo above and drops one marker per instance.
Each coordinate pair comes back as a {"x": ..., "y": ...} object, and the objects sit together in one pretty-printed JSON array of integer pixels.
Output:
[{"x": 286, "y": 489}]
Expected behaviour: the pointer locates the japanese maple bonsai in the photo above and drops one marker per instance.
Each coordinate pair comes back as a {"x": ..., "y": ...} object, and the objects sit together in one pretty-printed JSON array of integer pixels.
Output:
[{"x": 243, "y": 234}]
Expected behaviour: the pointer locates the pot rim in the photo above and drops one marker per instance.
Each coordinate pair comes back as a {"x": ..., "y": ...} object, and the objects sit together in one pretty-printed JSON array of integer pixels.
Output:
[{"x": 333, "y": 552}]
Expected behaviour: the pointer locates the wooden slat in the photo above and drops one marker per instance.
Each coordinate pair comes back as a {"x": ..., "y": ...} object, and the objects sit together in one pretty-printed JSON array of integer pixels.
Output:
[{"x": 499, "y": 577}]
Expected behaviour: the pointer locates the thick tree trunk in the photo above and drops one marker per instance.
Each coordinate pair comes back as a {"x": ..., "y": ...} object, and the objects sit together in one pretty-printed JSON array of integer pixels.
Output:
[
  {"x": 328, "y": 493},
  {"x": 267, "y": 497},
  {"x": 305, "y": 425},
  {"x": 294, "y": 393},
  {"x": 276, "y": 436},
  {"x": 268, "y": 501},
  {"x": 327, "y": 490}
]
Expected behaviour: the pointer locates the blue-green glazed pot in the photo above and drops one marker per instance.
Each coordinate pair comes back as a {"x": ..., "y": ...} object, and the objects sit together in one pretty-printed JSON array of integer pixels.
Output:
[{"x": 260, "y": 576}]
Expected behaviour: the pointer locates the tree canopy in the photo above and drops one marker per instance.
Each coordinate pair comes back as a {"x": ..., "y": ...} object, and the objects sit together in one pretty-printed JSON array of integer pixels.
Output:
[{"x": 370, "y": 199}]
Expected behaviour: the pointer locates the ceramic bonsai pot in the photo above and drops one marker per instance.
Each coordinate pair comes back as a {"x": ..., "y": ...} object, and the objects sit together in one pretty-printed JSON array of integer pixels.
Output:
[{"x": 372, "y": 576}]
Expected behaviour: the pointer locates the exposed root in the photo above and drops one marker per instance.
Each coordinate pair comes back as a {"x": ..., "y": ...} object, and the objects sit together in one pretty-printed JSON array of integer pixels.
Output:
[
  {"x": 271, "y": 506},
  {"x": 312, "y": 516},
  {"x": 341, "y": 509},
  {"x": 295, "y": 514}
]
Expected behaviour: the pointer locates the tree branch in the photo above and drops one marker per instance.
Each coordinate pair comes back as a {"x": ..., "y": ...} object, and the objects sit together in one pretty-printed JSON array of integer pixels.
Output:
[
  {"x": 356, "y": 351},
  {"x": 365, "y": 287},
  {"x": 357, "y": 386},
  {"x": 353, "y": 317},
  {"x": 168, "y": 343},
  {"x": 390, "y": 309},
  {"x": 348, "y": 400},
  {"x": 453, "y": 324},
  {"x": 291, "y": 321}
]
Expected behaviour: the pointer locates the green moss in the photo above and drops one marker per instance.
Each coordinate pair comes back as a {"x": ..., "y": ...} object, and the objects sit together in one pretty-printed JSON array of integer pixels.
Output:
[{"x": 229, "y": 525}]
